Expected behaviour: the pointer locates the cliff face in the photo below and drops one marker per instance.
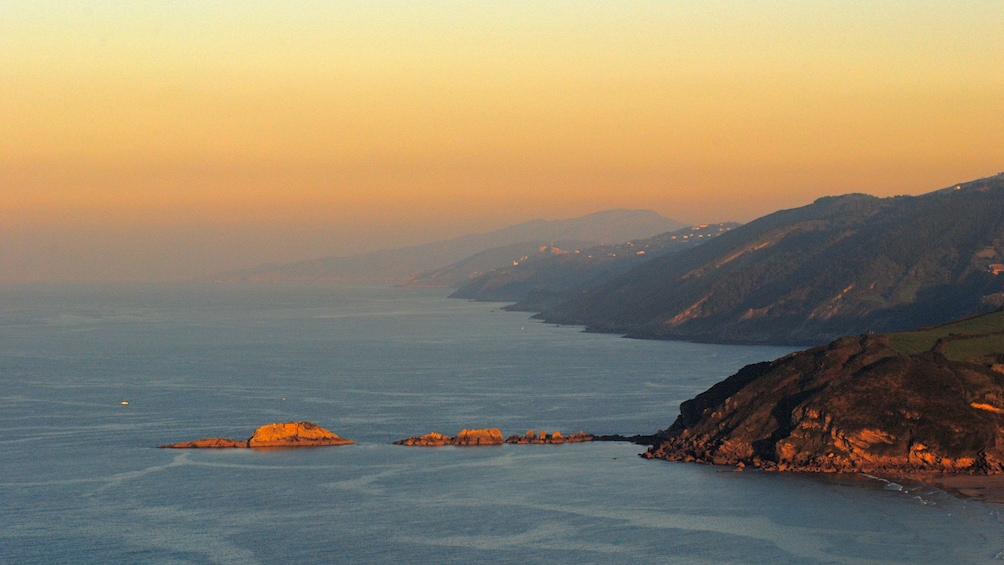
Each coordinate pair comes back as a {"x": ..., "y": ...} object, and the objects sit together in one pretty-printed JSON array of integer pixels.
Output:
[
  {"x": 288, "y": 434},
  {"x": 912, "y": 403}
]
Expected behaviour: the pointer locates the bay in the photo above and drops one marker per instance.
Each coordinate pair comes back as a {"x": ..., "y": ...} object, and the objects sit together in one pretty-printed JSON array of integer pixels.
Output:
[{"x": 81, "y": 480}]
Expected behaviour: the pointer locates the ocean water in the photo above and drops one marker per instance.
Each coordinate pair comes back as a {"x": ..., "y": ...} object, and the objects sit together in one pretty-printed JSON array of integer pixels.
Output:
[{"x": 81, "y": 480}]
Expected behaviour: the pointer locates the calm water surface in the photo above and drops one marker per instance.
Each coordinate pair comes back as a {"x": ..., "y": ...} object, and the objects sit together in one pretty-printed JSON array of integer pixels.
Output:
[{"x": 82, "y": 482}]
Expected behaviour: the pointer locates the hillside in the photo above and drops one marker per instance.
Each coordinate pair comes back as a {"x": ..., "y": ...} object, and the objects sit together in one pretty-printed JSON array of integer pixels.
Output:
[
  {"x": 909, "y": 404},
  {"x": 393, "y": 265},
  {"x": 546, "y": 276},
  {"x": 842, "y": 265}
]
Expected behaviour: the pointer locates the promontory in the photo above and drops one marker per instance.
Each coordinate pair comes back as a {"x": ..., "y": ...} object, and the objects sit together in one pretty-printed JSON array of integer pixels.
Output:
[{"x": 909, "y": 404}]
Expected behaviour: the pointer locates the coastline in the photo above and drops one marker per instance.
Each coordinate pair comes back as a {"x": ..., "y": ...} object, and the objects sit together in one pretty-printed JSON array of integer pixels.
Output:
[{"x": 980, "y": 488}]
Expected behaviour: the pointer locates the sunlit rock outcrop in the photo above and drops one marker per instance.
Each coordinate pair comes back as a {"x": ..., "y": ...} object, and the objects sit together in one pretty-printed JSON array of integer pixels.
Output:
[
  {"x": 288, "y": 434},
  {"x": 487, "y": 436},
  {"x": 533, "y": 437}
]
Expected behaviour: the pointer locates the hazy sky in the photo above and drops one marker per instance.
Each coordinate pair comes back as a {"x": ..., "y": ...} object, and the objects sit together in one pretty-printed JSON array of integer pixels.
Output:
[{"x": 146, "y": 140}]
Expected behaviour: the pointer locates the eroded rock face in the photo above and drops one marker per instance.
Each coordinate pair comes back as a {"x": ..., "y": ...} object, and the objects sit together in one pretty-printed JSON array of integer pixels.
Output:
[
  {"x": 855, "y": 405},
  {"x": 487, "y": 436},
  {"x": 543, "y": 437},
  {"x": 288, "y": 434}
]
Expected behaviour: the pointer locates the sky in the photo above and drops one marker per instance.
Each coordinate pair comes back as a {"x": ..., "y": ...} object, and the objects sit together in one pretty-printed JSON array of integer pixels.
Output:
[{"x": 164, "y": 140}]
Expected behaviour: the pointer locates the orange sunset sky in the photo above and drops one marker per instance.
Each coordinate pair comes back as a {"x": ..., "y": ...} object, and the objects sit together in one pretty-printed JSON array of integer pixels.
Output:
[{"x": 169, "y": 140}]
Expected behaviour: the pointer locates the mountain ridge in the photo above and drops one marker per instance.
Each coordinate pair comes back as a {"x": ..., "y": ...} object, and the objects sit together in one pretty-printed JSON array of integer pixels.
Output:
[
  {"x": 542, "y": 278},
  {"x": 394, "y": 265},
  {"x": 841, "y": 265}
]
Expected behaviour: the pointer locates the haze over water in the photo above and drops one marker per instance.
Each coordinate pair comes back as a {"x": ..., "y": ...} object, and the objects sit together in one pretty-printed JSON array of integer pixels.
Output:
[{"x": 82, "y": 482}]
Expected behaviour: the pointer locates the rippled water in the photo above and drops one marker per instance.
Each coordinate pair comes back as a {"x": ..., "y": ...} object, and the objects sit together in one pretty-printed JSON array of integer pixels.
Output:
[{"x": 82, "y": 482}]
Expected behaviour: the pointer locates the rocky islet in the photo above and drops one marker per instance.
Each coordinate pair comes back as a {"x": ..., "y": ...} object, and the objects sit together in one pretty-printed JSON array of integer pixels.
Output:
[
  {"x": 533, "y": 437},
  {"x": 483, "y": 436},
  {"x": 282, "y": 434}
]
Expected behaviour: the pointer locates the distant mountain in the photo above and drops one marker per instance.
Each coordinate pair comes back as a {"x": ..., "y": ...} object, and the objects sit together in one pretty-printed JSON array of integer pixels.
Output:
[
  {"x": 842, "y": 265},
  {"x": 488, "y": 261},
  {"x": 393, "y": 265},
  {"x": 547, "y": 276}
]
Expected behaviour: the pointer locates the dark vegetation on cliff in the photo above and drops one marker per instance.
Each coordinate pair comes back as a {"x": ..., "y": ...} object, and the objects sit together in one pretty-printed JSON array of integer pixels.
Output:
[
  {"x": 840, "y": 266},
  {"x": 911, "y": 403},
  {"x": 548, "y": 276}
]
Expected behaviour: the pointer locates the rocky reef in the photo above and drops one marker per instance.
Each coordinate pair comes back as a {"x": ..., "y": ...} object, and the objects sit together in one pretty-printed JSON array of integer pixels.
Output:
[
  {"x": 207, "y": 443},
  {"x": 916, "y": 404},
  {"x": 493, "y": 436},
  {"x": 287, "y": 434},
  {"x": 486, "y": 436},
  {"x": 533, "y": 437}
]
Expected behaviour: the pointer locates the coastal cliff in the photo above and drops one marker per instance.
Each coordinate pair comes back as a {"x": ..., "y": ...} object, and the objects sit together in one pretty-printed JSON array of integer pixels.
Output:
[
  {"x": 287, "y": 434},
  {"x": 913, "y": 404}
]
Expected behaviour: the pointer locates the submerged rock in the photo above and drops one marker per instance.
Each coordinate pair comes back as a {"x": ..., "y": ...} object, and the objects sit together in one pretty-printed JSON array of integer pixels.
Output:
[{"x": 288, "y": 434}]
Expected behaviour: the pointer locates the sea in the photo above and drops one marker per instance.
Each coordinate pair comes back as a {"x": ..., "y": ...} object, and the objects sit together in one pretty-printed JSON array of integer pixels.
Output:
[{"x": 94, "y": 377}]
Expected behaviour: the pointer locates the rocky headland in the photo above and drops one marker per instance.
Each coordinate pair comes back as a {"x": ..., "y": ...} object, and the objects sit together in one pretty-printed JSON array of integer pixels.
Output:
[
  {"x": 287, "y": 434},
  {"x": 912, "y": 404}
]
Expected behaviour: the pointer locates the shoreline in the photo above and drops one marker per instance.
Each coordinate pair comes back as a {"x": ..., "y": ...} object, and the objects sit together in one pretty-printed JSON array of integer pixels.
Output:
[
  {"x": 980, "y": 488},
  {"x": 977, "y": 488}
]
